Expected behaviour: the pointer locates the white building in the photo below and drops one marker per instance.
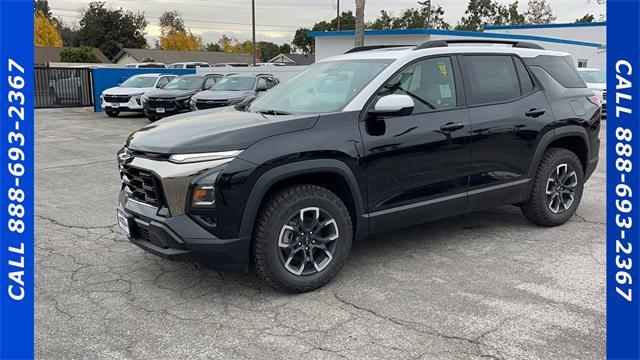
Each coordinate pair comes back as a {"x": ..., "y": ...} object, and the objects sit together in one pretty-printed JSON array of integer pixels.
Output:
[{"x": 586, "y": 42}]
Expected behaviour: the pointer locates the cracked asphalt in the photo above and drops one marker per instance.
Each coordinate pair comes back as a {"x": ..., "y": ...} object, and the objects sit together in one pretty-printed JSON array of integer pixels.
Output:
[{"x": 484, "y": 285}]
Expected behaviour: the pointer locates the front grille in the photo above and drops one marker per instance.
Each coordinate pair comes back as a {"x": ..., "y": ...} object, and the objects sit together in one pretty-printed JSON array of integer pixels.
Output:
[
  {"x": 164, "y": 103},
  {"x": 604, "y": 95},
  {"x": 141, "y": 185},
  {"x": 117, "y": 98},
  {"x": 211, "y": 104},
  {"x": 143, "y": 234}
]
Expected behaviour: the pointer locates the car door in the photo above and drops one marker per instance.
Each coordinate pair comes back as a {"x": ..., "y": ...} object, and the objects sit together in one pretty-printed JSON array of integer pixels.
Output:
[
  {"x": 508, "y": 115},
  {"x": 417, "y": 166}
]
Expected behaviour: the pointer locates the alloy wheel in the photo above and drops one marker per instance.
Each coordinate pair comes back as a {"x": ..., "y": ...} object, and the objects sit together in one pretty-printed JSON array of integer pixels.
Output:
[
  {"x": 561, "y": 188},
  {"x": 307, "y": 241}
]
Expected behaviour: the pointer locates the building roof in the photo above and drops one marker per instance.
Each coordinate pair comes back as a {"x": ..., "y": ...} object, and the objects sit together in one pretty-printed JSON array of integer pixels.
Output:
[
  {"x": 455, "y": 33},
  {"x": 538, "y": 26},
  {"x": 44, "y": 55},
  {"x": 173, "y": 56},
  {"x": 297, "y": 59}
]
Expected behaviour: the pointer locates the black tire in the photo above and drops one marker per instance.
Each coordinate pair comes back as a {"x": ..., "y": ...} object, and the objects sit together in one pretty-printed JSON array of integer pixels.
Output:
[
  {"x": 540, "y": 207},
  {"x": 112, "y": 113},
  {"x": 275, "y": 213}
]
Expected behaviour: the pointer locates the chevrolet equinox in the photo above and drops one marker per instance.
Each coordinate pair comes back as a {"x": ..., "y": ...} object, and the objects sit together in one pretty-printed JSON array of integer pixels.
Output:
[{"x": 369, "y": 141}]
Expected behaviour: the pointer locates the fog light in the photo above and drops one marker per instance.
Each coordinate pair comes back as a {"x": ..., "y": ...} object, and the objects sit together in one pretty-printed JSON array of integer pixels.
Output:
[{"x": 204, "y": 196}]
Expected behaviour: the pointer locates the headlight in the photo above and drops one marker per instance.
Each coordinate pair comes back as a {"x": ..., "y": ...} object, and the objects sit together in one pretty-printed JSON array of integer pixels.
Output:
[
  {"x": 235, "y": 101},
  {"x": 202, "y": 201},
  {"x": 144, "y": 99},
  {"x": 192, "y": 158}
]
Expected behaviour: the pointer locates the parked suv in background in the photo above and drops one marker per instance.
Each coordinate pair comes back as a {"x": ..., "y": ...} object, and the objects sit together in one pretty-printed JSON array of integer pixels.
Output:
[
  {"x": 128, "y": 95},
  {"x": 188, "y": 65},
  {"x": 175, "y": 97},
  {"x": 596, "y": 80},
  {"x": 361, "y": 143},
  {"x": 146, "y": 65},
  {"x": 233, "y": 90}
]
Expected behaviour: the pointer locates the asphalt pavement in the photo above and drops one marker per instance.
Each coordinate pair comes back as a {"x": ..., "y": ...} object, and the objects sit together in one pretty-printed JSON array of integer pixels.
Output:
[{"x": 485, "y": 285}]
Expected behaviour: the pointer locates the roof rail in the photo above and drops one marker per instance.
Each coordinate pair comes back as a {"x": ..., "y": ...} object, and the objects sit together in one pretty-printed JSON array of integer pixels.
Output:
[
  {"x": 374, "y": 47},
  {"x": 445, "y": 43}
]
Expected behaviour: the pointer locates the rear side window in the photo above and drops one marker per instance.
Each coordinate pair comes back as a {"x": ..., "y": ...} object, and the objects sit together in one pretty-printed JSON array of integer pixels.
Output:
[
  {"x": 526, "y": 83},
  {"x": 560, "y": 68},
  {"x": 491, "y": 78}
]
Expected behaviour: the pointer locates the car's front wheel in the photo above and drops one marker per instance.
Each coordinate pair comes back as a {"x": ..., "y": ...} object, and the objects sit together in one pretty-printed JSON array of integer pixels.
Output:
[
  {"x": 557, "y": 188},
  {"x": 303, "y": 238}
]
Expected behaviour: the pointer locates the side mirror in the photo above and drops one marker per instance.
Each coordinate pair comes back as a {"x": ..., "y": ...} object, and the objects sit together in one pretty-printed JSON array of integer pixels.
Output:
[
  {"x": 393, "y": 105},
  {"x": 261, "y": 88}
]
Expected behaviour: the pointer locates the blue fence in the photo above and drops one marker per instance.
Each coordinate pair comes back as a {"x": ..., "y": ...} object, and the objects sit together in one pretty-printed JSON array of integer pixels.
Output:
[{"x": 104, "y": 78}]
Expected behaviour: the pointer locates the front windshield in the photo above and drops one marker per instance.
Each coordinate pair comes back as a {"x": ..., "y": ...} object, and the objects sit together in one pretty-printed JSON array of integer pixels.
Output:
[
  {"x": 321, "y": 88},
  {"x": 185, "y": 83},
  {"x": 139, "y": 82},
  {"x": 234, "y": 83},
  {"x": 594, "y": 76}
]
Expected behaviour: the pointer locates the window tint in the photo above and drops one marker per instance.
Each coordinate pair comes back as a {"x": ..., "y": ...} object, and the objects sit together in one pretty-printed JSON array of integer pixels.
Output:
[
  {"x": 262, "y": 84},
  {"x": 163, "y": 81},
  {"x": 271, "y": 82},
  {"x": 491, "y": 79},
  {"x": 430, "y": 83},
  {"x": 526, "y": 83},
  {"x": 209, "y": 83},
  {"x": 560, "y": 68}
]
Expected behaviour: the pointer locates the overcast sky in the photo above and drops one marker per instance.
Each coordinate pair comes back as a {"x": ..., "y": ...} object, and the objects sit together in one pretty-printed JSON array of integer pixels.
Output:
[{"x": 277, "y": 20}]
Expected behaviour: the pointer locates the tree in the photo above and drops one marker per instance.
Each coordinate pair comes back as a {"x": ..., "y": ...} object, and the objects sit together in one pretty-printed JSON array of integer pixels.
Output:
[
  {"x": 587, "y": 18},
  {"x": 383, "y": 22},
  {"x": 303, "y": 41},
  {"x": 171, "y": 22},
  {"x": 268, "y": 50},
  {"x": 110, "y": 30},
  {"x": 45, "y": 33},
  {"x": 509, "y": 15},
  {"x": 478, "y": 14},
  {"x": 347, "y": 22},
  {"x": 540, "y": 12},
  {"x": 148, "y": 59},
  {"x": 226, "y": 43},
  {"x": 212, "y": 47},
  {"x": 42, "y": 6},
  {"x": 285, "y": 49},
  {"x": 185, "y": 41},
  {"x": 83, "y": 54}
]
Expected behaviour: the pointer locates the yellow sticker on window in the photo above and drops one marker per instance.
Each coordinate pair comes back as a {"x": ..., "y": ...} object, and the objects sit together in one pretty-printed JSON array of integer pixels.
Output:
[{"x": 443, "y": 68}]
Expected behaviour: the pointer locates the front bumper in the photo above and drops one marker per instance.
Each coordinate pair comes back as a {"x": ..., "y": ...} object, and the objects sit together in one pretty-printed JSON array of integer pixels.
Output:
[
  {"x": 131, "y": 105},
  {"x": 180, "y": 238}
]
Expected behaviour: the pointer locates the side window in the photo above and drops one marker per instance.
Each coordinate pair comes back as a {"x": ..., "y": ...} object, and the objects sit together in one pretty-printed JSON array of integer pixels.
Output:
[
  {"x": 271, "y": 82},
  {"x": 262, "y": 84},
  {"x": 430, "y": 83},
  {"x": 162, "y": 82},
  {"x": 491, "y": 78},
  {"x": 209, "y": 83},
  {"x": 561, "y": 68},
  {"x": 526, "y": 83}
]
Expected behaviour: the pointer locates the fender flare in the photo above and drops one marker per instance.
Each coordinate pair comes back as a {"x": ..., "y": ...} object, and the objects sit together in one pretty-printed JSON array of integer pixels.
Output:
[
  {"x": 553, "y": 135},
  {"x": 271, "y": 177}
]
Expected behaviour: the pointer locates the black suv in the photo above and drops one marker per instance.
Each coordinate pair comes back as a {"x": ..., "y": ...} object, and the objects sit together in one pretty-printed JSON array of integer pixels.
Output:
[
  {"x": 232, "y": 90},
  {"x": 175, "y": 97},
  {"x": 366, "y": 142}
]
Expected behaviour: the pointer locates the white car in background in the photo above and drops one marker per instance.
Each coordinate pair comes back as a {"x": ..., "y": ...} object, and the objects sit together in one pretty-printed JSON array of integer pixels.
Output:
[
  {"x": 596, "y": 80},
  {"x": 128, "y": 95},
  {"x": 188, "y": 65}
]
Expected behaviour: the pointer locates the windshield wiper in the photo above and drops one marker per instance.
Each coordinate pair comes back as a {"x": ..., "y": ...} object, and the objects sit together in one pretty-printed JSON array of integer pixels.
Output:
[{"x": 273, "y": 112}]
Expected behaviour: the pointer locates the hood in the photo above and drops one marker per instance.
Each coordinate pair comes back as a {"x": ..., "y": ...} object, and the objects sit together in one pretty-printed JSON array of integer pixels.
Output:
[
  {"x": 214, "y": 130},
  {"x": 170, "y": 94},
  {"x": 126, "y": 90},
  {"x": 222, "y": 95},
  {"x": 597, "y": 86}
]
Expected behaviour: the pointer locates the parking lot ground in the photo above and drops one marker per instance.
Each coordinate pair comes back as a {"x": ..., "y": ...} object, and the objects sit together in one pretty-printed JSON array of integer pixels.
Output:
[{"x": 484, "y": 285}]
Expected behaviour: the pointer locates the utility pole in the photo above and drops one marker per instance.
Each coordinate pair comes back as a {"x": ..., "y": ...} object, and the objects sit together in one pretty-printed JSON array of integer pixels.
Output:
[
  {"x": 338, "y": 2},
  {"x": 253, "y": 29},
  {"x": 359, "y": 39}
]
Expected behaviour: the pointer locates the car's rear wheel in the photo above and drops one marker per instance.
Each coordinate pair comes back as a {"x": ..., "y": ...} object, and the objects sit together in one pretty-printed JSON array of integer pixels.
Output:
[
  {"x": 111, "y": 113},
  {"x": 557, "y": 188},
  {"x": 303, "y": 238}
]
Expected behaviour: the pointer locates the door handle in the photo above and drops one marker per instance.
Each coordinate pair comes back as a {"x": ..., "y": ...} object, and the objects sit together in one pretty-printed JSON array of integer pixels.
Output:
[
  {"x": 451, "y": 126},
  {"x": 534, "y": 113}
]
